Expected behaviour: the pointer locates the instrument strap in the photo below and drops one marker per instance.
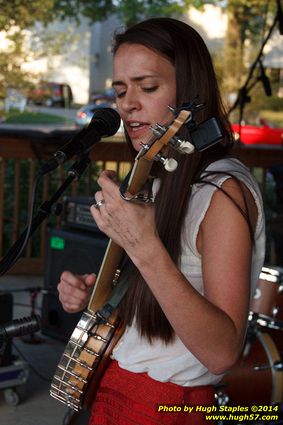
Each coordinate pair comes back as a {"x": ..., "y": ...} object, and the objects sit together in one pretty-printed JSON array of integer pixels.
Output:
[{"x": 118, "y": 293}]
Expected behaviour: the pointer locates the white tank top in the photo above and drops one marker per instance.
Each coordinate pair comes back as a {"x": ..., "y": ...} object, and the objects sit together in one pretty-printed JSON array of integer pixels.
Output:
[{"x": 174, "y": 362}]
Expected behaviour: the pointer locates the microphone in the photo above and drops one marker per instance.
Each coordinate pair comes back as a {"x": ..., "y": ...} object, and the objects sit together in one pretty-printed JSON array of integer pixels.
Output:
[
  {"x": 280, "y": 17},
  {"x": 265, "y": 80},
  {"x": 105, "y": 122},
  {"x": 20, "y": 327}
]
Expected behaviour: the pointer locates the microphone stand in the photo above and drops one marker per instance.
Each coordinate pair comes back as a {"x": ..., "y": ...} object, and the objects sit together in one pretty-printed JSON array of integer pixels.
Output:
[
  {"x": 75, "y": 172},
  {"x": 3, "y": 346},
  {"x": 243, "y": 96},
  {"x": 31, "y": 338}
]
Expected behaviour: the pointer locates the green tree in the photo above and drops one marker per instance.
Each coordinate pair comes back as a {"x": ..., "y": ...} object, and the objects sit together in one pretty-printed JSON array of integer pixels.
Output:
[
  {"x": 247, "y": 22},
  {"x": 12, "y": 59},
  {"x": 17, "y": 19},
  {"x": 129, "y": 11},
  {"x": 25, "y": 13},
  {"x": 16, "y": 16}
]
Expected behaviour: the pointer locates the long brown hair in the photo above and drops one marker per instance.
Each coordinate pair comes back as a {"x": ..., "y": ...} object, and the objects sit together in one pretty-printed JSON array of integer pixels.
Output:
[{"x": 195, "y": 79}]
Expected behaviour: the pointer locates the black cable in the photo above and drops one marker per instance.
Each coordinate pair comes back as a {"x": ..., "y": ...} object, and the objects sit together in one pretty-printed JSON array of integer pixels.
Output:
[
  {"x": 75, "y": 172},
  {"x": 7, "y": 261},
  {"x": 31, "y": 215}
]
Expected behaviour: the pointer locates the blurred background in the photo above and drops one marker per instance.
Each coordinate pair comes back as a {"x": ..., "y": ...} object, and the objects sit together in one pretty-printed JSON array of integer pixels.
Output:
[{"x": 55, "y": 73}]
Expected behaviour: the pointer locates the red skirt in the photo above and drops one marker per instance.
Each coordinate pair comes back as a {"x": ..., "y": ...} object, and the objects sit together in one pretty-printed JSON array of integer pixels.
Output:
[{"x": 126, "y": 398}]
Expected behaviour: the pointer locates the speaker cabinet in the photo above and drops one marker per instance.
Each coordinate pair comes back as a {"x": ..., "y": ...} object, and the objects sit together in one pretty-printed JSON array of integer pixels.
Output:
[
  {"x": 78, "y": 252},
  {"x": 6, "y": 313}
]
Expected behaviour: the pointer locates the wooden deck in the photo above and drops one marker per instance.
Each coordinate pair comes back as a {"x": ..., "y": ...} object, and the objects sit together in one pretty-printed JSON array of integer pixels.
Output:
[{"x": 22, "y": 152}]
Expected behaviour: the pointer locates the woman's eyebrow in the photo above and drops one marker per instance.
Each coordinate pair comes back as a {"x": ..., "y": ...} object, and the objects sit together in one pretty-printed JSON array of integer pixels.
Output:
[{"x": 135, "y": 79}]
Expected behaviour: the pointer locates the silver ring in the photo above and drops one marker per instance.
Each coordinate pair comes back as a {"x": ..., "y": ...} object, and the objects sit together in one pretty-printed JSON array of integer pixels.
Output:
[{"x": 99, "y": 203}]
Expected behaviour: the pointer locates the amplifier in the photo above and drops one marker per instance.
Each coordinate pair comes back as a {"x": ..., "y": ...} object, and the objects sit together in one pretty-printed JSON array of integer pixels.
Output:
[
  {"x": 79, "y": 252},
  {"x": 77, "y": 215}
]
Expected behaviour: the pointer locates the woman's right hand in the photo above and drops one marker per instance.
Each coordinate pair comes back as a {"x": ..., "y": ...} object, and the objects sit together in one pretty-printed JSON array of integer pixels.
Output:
[{"x": 74, "y": 290}]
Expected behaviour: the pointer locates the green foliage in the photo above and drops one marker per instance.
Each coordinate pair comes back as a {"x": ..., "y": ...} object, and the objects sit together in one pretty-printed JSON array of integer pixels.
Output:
[
  {"x": 16, "y": 17},
  {"x": 274, "y": 103},
  {"x": 250, "y": 14},
  {"x": 270, "y": 108},
  {"x": 129, "y": 11},
  {"x": 133, "y": 11},
  {"x": 35, "y": 118},
  {"x": 12, "y": 59},
  {"x": 248, "y": 23},
  {"x": 274, "y": 117},
  {"x": 95, "y": 10},
  {"x": 24, "y": 13}
]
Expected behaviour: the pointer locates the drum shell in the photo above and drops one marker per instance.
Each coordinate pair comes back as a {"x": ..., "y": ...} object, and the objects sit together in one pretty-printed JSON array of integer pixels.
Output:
[
  {"x": 267, "y": 302},
  {"x": 246, "y": 386}
]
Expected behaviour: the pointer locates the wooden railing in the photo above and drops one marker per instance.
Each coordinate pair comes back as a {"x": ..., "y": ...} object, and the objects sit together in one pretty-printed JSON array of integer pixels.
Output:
[{"x": 22, "y": 152}]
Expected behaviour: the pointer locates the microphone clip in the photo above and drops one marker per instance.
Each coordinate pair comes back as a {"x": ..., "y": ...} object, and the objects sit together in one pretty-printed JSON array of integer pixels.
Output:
[{"x": 19, "y": 327}]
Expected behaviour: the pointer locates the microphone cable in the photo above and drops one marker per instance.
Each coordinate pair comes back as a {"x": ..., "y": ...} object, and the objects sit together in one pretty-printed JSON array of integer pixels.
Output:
[{"x": 15, "y": 252}]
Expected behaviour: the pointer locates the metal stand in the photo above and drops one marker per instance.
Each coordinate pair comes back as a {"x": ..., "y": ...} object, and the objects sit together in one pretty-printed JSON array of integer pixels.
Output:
[
  {"x": 31, "y": 338},
  {"x": 243, "y": 95},
  {"x": 44, "y": 211}
]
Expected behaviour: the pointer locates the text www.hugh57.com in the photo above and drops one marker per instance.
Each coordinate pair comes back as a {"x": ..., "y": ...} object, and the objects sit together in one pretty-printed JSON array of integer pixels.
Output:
[
  {"x": 227, "y": 413},
  {"x": 242, "y": 413},
  {"x": 241, "y": 418}
]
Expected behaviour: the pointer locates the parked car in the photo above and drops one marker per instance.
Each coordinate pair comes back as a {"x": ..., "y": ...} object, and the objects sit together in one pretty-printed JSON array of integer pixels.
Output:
[
  {"x": 262, "y": 134},
  {"x": 85, "y": 114},
  {"x": 99, "y": 101},
  {"x": 51, "y": 94}
]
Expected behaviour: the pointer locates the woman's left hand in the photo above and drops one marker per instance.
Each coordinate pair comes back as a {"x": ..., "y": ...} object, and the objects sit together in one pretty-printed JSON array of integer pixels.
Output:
[{"x": 129, "y": 224}]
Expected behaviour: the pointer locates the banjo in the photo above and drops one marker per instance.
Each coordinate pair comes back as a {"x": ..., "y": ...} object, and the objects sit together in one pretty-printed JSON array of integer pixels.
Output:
[{"x": 88, "y": 351}]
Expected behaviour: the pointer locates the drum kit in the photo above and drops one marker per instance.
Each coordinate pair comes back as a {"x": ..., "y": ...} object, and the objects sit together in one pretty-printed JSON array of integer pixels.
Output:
[{"x": 257, "y": 378}]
